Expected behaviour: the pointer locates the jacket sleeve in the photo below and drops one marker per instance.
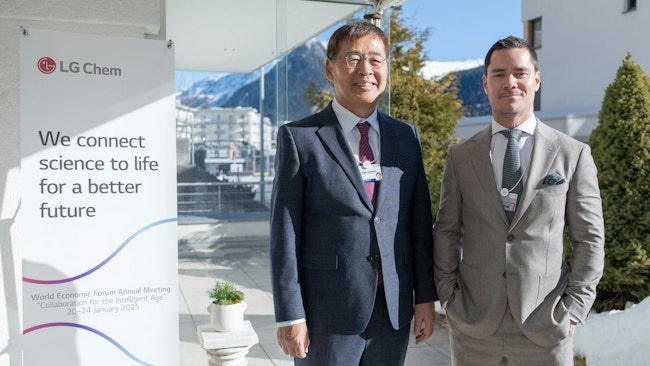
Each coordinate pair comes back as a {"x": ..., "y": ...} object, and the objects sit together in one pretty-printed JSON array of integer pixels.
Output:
[
  {"x": 421, "y": 229},
  {"x": 587, "y": 235},
  {"x": 286, "y": 223},
  {"x": 447, "y": 234}
]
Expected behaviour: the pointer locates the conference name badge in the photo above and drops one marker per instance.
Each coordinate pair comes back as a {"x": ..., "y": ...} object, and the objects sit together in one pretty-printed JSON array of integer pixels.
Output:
[
  {"x": 370, "y": 171},
  {"x": 509, "y": 201}
]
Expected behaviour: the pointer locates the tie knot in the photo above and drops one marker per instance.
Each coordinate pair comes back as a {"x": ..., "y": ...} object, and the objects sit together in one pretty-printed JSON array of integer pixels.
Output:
[
  {"x": 515, "y": 134},
  {"x": 363, "y": 128}
]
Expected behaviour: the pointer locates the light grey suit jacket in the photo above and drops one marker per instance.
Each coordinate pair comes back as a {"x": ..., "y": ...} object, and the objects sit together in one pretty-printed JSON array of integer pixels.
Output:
[
  {"x": 326, "y": 238},
  {"x": 520, "y": 264}
]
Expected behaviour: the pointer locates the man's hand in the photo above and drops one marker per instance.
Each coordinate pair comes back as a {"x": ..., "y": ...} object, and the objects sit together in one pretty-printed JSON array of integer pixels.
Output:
[
  {"x": 424, "y": 322},
  {"x": 572, "y": 327},
  {"x": 294, "y": 340}
]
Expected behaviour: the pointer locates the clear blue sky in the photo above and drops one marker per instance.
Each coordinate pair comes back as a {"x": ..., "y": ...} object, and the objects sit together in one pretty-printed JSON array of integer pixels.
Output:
[
  {"x": 463, "y": 29},
  {"x": 460, "y": 29}
]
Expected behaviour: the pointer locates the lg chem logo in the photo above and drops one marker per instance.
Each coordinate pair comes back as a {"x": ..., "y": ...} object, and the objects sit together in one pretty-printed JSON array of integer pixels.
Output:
[{"x": 46, "y": 65}]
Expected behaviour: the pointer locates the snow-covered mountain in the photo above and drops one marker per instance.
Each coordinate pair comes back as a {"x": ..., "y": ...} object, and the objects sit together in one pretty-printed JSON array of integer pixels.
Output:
[
  {"x": 216, "y": 90},
  {"x": 434, "y": 69},
  {"x": 304, "y": 65}
]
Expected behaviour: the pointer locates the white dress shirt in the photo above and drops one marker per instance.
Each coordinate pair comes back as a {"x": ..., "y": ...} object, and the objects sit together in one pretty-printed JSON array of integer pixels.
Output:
[{"x": 349, "y": 120}]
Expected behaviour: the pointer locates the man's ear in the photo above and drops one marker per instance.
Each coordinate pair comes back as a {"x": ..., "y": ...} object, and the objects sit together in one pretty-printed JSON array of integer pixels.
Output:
[
  {"x": 329, "y": 65},
  {"x": 485, "y": 84}
]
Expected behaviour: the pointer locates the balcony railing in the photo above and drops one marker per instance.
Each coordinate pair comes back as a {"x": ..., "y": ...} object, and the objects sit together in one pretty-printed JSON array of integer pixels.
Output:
[{"x": 223, "y": 200}]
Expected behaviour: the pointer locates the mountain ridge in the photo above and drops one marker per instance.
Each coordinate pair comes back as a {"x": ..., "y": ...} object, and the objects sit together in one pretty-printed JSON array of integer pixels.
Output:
[{"x": 304, "y": 65}]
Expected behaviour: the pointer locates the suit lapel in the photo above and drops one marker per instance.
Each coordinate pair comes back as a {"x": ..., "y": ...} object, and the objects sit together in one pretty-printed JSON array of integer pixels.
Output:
[
  {"x": 332, "y": 137},
  {"x": 388, "y": 156},
  {"x": 480, "y": 153},
  {"x": 545, "y": 148}
]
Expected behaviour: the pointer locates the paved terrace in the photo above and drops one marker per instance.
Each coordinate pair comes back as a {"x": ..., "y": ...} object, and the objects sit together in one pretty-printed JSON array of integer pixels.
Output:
[{"x": 238, "y": 252}]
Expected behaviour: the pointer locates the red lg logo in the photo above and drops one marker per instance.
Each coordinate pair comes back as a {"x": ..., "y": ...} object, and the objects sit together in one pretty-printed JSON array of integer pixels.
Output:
[{"x": 46, "y": 65}]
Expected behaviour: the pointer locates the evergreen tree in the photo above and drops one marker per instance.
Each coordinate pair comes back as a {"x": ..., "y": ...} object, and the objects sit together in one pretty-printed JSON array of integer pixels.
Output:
[
  {"x": 621, "y": 150},
  {"x": 318, "y": 99},
  {"x": 431, "y": 105}
]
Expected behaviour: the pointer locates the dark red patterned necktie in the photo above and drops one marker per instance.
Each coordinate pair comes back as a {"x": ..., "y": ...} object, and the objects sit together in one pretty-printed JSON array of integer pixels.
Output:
[{"x": 365, "y": 154}]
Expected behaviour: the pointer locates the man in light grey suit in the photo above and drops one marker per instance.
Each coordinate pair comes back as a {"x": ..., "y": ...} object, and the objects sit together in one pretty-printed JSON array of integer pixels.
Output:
[
  {"x": 351, "y": 226},
  {"x": 500, "y": 267}
]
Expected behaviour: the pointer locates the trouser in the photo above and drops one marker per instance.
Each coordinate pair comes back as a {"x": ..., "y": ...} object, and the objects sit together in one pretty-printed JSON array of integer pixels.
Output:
[
  {"x": 379, "y": 344},
  {"x": 507, "y": 346}
]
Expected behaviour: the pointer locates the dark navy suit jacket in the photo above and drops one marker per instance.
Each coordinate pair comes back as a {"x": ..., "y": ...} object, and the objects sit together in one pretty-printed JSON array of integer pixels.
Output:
[{"x": 326, "y": 237}]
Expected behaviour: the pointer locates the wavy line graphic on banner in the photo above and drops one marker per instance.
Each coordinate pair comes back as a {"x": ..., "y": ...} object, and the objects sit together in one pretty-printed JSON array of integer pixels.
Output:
[
  {"x": 93, "y": 330},
  {"x": 105, "y": 261}
]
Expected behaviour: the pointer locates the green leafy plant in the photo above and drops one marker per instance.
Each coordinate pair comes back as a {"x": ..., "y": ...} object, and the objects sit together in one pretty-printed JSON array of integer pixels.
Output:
[{"x": 225, "y": 293}]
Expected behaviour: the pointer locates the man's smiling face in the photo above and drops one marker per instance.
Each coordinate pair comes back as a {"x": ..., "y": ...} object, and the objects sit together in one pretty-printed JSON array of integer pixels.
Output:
[
  {"x": 511, "y": 83},
  {"x": 358, "y": 88}
]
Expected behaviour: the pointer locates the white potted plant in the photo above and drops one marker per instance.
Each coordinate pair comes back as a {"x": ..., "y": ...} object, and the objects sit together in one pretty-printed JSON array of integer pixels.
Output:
[{"x": 227, "y": 308}]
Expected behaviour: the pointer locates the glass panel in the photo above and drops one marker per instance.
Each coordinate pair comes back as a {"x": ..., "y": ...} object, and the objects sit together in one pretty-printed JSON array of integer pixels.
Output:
[
  {"x": 227, "y": 123},
  {"x": 537, "y": 33},
  {"x": 630, "y": 5}
]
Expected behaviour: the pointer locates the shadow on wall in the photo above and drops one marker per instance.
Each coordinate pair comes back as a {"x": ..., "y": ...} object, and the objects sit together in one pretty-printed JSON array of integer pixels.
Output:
[
  {"x": 60, "y": 340},
  {"x": 11, "y": 343}
]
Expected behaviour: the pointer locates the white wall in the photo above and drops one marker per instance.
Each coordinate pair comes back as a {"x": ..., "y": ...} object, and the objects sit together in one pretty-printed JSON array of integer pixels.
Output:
[
  {"x": 125, "y": 18},
  {"x": 583, "y": 44},
  {"x": 575, "y": 123}
]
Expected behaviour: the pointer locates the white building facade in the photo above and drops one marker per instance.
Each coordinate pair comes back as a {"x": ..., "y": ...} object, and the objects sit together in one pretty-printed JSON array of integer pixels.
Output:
[
  {"x": 230, "y": 138},
  {"x": 580, "y": 45}
]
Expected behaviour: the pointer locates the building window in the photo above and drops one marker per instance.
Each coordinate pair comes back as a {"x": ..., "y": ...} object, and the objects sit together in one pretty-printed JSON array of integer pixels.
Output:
[
  {"x": 630, "y": 5},
  {"x": 534, "y": 30}
]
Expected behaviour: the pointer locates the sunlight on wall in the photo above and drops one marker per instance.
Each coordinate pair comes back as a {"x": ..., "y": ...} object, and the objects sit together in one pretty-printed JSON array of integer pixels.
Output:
[{"x": 11, "y": 194}]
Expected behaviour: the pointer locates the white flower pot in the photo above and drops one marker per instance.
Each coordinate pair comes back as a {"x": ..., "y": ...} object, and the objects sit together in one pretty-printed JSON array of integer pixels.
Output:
[{"x": 227, "y": 318}]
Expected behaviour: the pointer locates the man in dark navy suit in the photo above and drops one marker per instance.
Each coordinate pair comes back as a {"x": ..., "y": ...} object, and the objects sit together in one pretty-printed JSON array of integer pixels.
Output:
[{"x": 351, "y": 249}]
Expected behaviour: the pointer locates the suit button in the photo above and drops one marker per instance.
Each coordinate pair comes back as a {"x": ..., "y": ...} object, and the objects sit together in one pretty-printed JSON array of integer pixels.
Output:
[
  {"x": 377, "y": 219},
  {"x": 510, "y": 237},
  {"x": 504, "y": 275}
]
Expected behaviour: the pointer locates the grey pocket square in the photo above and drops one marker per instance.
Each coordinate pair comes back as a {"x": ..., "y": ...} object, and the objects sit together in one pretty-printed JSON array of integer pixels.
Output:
[{"x": 553, "y": 179}]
